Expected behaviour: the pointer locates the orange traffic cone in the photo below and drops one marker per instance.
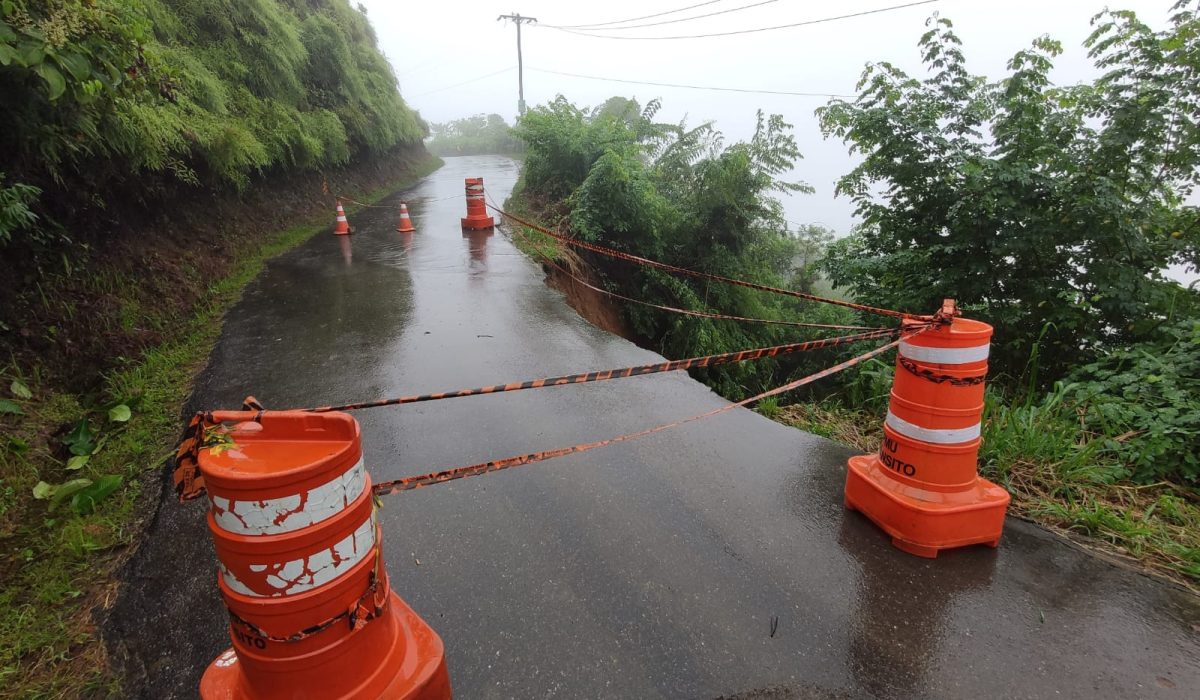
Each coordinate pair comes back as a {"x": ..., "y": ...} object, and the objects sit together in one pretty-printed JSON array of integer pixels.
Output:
[
  {"x": 311, "y": 612},
  {"x": 341, "y": 226},
  {"x": 477, "y": 217},
  {"x": 406, "y": 224},
  {"x": 923, "y": 488}
]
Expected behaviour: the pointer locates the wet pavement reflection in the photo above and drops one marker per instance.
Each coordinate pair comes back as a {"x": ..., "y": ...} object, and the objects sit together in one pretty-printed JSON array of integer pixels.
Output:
[
  {"x": 715, "y": 559},
  {"x": 477, "y": 250}
]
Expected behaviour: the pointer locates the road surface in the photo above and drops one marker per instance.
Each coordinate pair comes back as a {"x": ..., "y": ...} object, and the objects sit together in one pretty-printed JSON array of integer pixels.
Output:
[{"x": 646, "y": 569}]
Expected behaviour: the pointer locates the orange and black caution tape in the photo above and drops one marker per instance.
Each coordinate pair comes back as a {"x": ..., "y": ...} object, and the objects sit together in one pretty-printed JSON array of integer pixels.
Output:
[
  {"x": 343, "y": 198},
  {"x": 409, "y": 483},
  {"x": 549, "y": 260},
  {"x": 415, "y": 202},
  {"x": 936, "y": 378},
  {"x": 189, "y": 483},
  {"x": 629, "y": 257},
  {"x": 368, "y": 607},
  {"x": 622, "y": 373}
]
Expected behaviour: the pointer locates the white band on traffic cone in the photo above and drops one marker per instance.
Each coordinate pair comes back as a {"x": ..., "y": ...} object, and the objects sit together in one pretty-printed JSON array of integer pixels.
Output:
[
  {"x": 943, "y": 356},
  {"x": 276, "y": 516},
  {"x": 303, "y": 575},
  {"x": 940, "y": 436}
]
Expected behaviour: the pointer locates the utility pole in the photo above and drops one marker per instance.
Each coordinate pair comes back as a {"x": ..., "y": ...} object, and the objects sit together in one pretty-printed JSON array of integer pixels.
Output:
[{"x": 518, "y": 20}]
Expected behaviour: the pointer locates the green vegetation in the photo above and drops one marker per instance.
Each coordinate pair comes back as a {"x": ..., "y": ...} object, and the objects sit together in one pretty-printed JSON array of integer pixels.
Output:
[
  {"x": 127, "y": 124},
  {"x": 477, "y": 135},
  {"x": 680, "y": 195},
  {"x": 147, "y": 98},
  {"x": 1036, "y": 206},
  {"x": 1050, "y": 212},
  {"x": 62, "y": 544}
]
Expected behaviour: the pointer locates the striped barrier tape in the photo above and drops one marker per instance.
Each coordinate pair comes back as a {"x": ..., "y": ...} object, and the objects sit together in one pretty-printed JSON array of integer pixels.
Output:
[
  {"x": 361, "y": 612},
  {"x": 410, "y": 483},
  {"x": 416, "y": 201},
  {"x": 624, "y": 372},
  {"x": 190, "y": 484},
  {"x": 629, "y": 257},
  {"x": 365, "y": 205},
  {"x": 926, "y": 373},
  {"x": 355, "y": 616},
  {"x": 549, "y": 260}
]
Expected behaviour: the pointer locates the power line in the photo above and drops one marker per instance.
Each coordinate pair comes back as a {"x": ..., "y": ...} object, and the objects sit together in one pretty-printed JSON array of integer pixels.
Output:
[
  {"x": 635, "y": 19},
  {"x": 747, "y": 31},
  {"x": 692, "y": 87},
  {"x": 420, "y": 65},
  {"x": 466, "y": 82},
  {"x": 680, "y": 19}
]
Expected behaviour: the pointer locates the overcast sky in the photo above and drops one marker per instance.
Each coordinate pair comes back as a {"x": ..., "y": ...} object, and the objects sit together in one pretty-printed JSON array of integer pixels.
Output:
[{"x": 436, "y": 45}]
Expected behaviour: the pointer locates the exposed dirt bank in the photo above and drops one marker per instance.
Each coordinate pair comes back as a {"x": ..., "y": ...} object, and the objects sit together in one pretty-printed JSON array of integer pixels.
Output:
[{"x": 596, "y": 308}]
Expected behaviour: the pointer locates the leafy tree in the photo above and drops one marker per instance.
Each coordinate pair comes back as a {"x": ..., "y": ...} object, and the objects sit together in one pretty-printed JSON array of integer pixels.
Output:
[
  {"x": 1039, "y": 207},
  {"x": 812, "y": 243},
  {"x": 474, "y": 135}
]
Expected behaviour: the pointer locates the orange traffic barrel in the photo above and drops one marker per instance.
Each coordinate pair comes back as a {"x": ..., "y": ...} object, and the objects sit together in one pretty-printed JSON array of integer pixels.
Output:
[
  {"x": 477, "y": 217},
  {"x": 406, "y": 224},
  {"x": 923, "y": 487},
  {"x": 341, "y": 226},
  {"x": 299, "y": 548}
]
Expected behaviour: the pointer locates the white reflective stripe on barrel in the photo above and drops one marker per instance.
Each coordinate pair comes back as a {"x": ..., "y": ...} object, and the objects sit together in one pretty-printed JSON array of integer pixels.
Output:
[
  {"x": 943, "y": 356},
  {"x": 275, "y": 516},
  {"x": 301, "y": 575},
  {"x": 940, "y": 436}
]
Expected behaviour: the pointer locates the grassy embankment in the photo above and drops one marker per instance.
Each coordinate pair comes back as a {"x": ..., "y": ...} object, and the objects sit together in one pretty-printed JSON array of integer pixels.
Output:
[
  {"x": 58, "y": 561},
  {"x": 1060, "y": 477}
]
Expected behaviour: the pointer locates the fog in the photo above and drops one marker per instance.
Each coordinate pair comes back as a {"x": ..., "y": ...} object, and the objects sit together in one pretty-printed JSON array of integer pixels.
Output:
[{"x": 436, "y": 46}]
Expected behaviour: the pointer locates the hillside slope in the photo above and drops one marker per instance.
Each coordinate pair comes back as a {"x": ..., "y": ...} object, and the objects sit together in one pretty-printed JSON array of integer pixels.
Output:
[{"x": 155, "y": 153}]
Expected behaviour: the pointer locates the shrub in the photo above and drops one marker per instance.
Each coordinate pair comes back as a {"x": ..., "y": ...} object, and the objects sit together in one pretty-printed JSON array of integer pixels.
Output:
[
  {"x": 1145, "y": 400},
  {"x": 682, "y": 196}
]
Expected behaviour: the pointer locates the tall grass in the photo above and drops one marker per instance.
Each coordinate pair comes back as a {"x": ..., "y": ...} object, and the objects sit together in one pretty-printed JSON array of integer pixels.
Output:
[
  {"x": 1061, "y": 472},
  {"x": 1044, "y": 431}
]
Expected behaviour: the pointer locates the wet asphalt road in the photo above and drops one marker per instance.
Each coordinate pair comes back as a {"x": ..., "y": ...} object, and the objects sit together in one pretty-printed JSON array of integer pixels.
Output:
[{"x": 645, "y": 569}]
